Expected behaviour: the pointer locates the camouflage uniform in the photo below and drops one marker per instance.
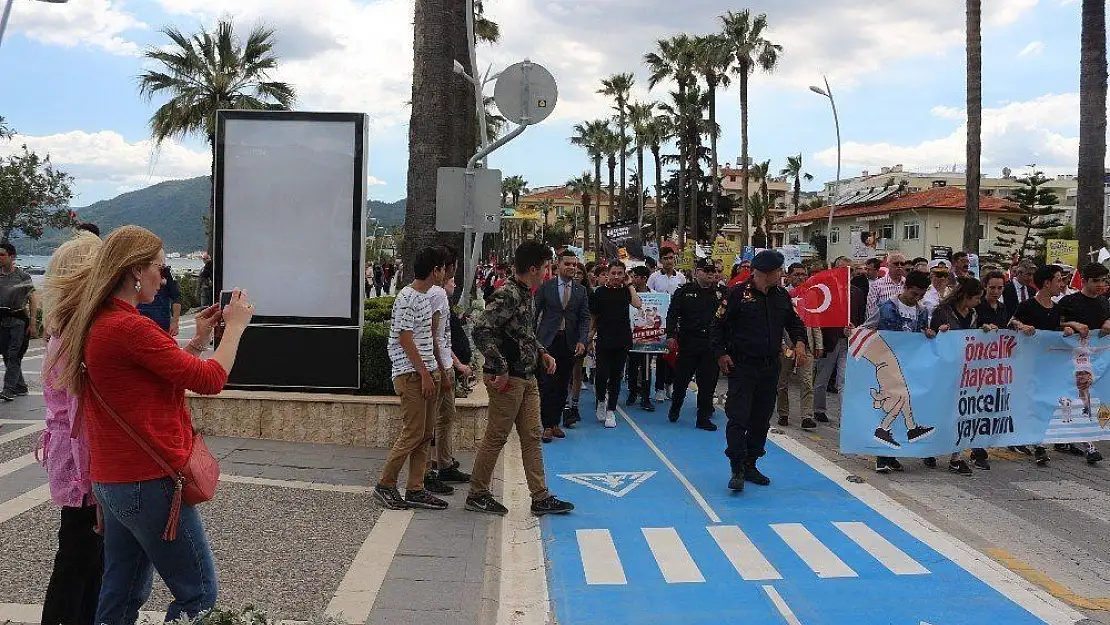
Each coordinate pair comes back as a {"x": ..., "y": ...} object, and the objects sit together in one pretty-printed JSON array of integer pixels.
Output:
[{"x": 506, "y": 335}]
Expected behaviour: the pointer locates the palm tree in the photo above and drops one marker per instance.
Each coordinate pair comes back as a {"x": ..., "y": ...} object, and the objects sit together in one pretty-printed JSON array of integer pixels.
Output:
[
  {"x": 590, "y": 136},
  {"x": 618, "y": 87},
  {"x": 793, "y": 171},
  {"x": 610, "y": 143},
  {"x": 759, "y": 212},
  {"x": 974, "y": 123},
  {"x": 514, "y": 187},
  {"x": 640, "y": 114},
  {"x": 762, "y": 172},
  {"x": 750, "y": 52},
  {"x": 207, "y": 72},
  {"x": 582, "y": 186},
  {"x": 485, "y": 29},
  {"x": 675, "y": 60},
  {"x": 657, "y": 132},
  {"x": 712, "y": 60},
  {"x": 1092, "y": 127}
]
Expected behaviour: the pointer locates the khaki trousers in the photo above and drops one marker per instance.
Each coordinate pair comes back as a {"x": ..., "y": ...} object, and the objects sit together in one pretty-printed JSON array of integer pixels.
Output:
[
  {"x": 445, "y": 420},
  {"x": 419, "y": 416},
  {"x": 804, "y": 375},
  {"x": 519, "y": 405}
]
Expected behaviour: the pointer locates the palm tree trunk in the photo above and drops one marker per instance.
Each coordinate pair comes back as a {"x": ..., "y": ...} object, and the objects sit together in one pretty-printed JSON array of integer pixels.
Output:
[
  {"x": 1092, "y": 129},
  {"x": 211, "y": 234},
  {"x": 974, "y": 123},
  {"x": 681, "y": 195},
  {"x": 640, "y": 186},
  {"x": 612, "y": 188},
  {"x": 597, "y": 202},
  {"x": 624, "y": 167},
  {"x": 695, "y": 180},
  {"x": 715, "y": 188},
  {"x": 797, "y": 192},
  {"x": 442, "y": 123},
  {"x": 658, "y": 197},
  {"x": 744, "y": 154}
]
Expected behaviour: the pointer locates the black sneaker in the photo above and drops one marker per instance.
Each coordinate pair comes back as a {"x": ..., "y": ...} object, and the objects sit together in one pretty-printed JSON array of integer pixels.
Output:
[
  {"x": 1075, "y": 450},
  {"x": 918, "y": 433},
  {"x": 1022, "y": 449},
  {"x": 434, "y": 485},
  {"x": 551, "y": 505},
  {"x": 784, "y": 421},
  {"x": 487, "y": 504},
  {"x": 959, "y": 466},
  {"x": 390, "y": 498},
  {"x": 424, "y": 499},
  {"x": 895, "y": 465},
  {"x": 672, "y": 416},
  {"x": 706, "y": 424},
  {"x": 753, "y": 475},
  {"x": 646, "y": 405},
  {"x": 736, "y": 483},
  {"x": 453, "y": 476},
  {"x": 882, "y": 465},
  {"x": 821, "y": 417},
  {"x": 574, "y": 416},
  {"x": 809, "y": 424},
  {"x": 1040, "y": 456},
  {"x": 930, "y": 462},
  {"x": 886, "y": 438},
  {"x": 981, "y": 463},
  {"x": 1093, "y": 456}
]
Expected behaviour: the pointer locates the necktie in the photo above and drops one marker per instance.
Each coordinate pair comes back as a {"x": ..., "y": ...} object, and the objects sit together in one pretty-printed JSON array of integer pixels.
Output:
[
  {"x": 1024, "y": 295},
  {"x": 565, "y": 288}
]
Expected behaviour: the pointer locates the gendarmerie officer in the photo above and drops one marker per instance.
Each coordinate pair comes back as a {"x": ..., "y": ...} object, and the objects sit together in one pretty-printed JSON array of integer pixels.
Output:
[
  {"x": 747, "y": 339},
  {"x": 690, "y": 319}
]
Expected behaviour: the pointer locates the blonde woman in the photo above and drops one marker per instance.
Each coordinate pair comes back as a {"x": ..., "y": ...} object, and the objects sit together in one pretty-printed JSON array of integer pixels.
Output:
[
  {"x": 74, "y": 587},
  {"x": 141, "y": 374}
]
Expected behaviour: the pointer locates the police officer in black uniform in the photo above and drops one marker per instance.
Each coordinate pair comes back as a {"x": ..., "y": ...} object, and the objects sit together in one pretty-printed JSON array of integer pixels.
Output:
[
  {"x": 747, "y": 339},
  {"x": 690, "y": 319}
]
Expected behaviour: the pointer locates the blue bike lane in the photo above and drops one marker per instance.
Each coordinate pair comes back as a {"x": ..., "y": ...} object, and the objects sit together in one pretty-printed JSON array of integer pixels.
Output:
[{"x": 657, "y": 538}]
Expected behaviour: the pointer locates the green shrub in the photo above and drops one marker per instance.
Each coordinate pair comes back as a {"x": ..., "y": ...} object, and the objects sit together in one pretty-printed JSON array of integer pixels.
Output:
[
  {"x": 378, "y": 309},
  {"x": 376, "y": 369},
  {"x": 187, "y": 283}
]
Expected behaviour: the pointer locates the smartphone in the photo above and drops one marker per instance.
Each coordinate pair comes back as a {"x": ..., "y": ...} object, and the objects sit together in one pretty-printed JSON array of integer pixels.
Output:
[{"x": 225, "y": 299}]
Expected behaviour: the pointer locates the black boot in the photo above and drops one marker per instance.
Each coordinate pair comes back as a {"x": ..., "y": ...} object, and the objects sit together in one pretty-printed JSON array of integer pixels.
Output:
[
  {"x": 752, "y": 474},
  {"x": 736, "y": 484},
  {"x": 704, "y": 423}
]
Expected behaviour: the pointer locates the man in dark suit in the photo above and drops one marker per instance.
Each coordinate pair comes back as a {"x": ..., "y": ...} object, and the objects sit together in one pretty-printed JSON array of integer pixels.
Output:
[
  {"x": 1019, "y": 287},
  {"x": 563, "y": 315}
]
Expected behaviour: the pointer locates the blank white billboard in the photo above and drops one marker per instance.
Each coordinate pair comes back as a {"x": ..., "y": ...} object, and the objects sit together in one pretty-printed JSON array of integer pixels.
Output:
[{"x": 289, "y": 191}]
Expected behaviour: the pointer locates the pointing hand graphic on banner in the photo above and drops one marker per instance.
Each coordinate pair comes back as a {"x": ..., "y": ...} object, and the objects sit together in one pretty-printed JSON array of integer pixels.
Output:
[{"x": 893, "y": 395}]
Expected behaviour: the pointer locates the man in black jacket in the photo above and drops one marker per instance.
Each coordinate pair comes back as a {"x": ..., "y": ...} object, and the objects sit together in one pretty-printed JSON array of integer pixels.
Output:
[
  {"x": 1020, "y": 287},
  {"x": 690, "y": 320},
  {"x": 747, "y": 340}
]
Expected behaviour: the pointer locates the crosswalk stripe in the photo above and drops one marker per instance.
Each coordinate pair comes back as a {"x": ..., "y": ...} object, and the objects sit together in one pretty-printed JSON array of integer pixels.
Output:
[
  {"x": 672, "y": 556},
  {"x": 742, "y": 553},
  {"x": 600, "y": 561},
  {"x": 812, "y": 551},
  {"x": 16, "y": 464},
  {"x": 1071, "y": 495},
  {"x": 881, "y": 549},
  {"x": 27, "y": 501},
  {"x": 21, "y": 432}
]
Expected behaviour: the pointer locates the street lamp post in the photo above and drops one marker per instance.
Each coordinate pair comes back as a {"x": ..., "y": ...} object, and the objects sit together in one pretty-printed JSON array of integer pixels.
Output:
[
  {"x": 8, "y": 12},
  {"x": 827, "y": 92}
]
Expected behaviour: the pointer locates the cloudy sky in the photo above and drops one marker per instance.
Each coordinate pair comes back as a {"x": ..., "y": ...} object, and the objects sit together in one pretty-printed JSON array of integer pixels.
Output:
[{"x": 896, "y": 67}]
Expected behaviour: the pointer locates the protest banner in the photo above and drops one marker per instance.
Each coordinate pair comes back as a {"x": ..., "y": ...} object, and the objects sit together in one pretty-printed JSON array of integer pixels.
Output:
[
  {"x": 973, "y": 264},
  {"x": 1062, "y": 252},
  {"x": 910, "y": 396},
  {"x": 940, "y": 252},
  {"x": 725, "y": 251},
  {"x": 620, "y": 240},
  {"x": 791, "y": 254},
  {"x": 649, "y": 323},
  {"x": 651, "y": 250}
]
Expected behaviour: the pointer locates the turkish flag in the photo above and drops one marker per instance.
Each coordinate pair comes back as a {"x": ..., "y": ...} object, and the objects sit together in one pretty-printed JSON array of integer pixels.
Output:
[
  {"x": 822, "y": 301},
  {"x": 1077, "y": 281},
  {"x": 742, "y": 276}
]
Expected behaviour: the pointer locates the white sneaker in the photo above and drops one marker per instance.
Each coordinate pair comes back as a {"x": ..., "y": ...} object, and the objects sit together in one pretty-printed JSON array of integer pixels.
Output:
[
  {"x": 659, "y": 396},
  {"x": 601, "y": 412},
  {"x": 610, "y": 419},
  {"x": 669, "y": 389}
]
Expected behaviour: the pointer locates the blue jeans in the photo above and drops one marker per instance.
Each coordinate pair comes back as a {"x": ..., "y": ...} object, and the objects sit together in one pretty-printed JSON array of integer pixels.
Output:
[{"x": 134, "y": 518}]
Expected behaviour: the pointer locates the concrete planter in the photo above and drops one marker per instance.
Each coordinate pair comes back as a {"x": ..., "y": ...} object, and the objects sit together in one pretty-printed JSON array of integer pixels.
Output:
[{"x": 319, "y": 418}]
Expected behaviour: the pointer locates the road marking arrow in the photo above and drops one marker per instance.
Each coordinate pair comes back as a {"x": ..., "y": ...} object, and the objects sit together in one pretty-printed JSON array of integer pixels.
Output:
[{"x": 617, "y": 484}]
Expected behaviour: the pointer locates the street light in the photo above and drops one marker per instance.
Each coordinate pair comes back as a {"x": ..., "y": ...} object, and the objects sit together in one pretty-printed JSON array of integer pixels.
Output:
[
  {"x": 827, "y": 92},
  {"x": 8, "y": 11}
]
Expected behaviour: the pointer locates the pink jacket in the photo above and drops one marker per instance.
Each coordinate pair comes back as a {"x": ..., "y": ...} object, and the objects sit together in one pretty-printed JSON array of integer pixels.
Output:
[{"x": 65, "y": 453}]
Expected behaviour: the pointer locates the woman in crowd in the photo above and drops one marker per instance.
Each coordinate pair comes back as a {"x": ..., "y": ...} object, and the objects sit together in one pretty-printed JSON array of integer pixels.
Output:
[
  {"x": 137, "y": 372},
  {"x": 74, "y": 587},
  {"x": 957, "y": 312}
]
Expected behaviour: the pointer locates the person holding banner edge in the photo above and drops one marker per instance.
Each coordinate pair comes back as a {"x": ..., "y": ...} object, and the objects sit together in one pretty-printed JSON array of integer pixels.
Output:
[
  {"x": 747, "y": 339},
  {"x": 690, "y": 320},
  {"x": 666, "y": 280}
]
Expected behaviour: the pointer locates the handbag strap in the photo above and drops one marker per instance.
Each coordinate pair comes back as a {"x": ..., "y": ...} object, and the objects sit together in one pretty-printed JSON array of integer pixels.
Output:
[{"x": 135, "y": 436}]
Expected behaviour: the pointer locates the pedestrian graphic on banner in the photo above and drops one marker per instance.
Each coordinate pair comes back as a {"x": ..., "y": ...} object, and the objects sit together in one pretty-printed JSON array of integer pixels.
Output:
[
  {"x": 893, "y": 395},
  {"x": 1084, "y": 379}
]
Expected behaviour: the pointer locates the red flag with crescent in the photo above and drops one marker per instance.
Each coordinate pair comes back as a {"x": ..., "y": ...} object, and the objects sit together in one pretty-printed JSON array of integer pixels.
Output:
[{"x": 822, "y": 301}]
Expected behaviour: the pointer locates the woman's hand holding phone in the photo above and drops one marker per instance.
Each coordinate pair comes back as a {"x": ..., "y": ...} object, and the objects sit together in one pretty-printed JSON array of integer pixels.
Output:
[{"x": 239, "y": 311}]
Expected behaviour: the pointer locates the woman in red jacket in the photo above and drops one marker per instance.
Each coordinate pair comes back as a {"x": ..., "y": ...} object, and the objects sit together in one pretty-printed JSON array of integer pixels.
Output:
[{"x": 142, "y": 374}]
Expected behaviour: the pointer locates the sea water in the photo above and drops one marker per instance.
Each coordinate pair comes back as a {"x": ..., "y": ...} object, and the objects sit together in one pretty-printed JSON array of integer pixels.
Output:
[{"x": 179, "y": 266}]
